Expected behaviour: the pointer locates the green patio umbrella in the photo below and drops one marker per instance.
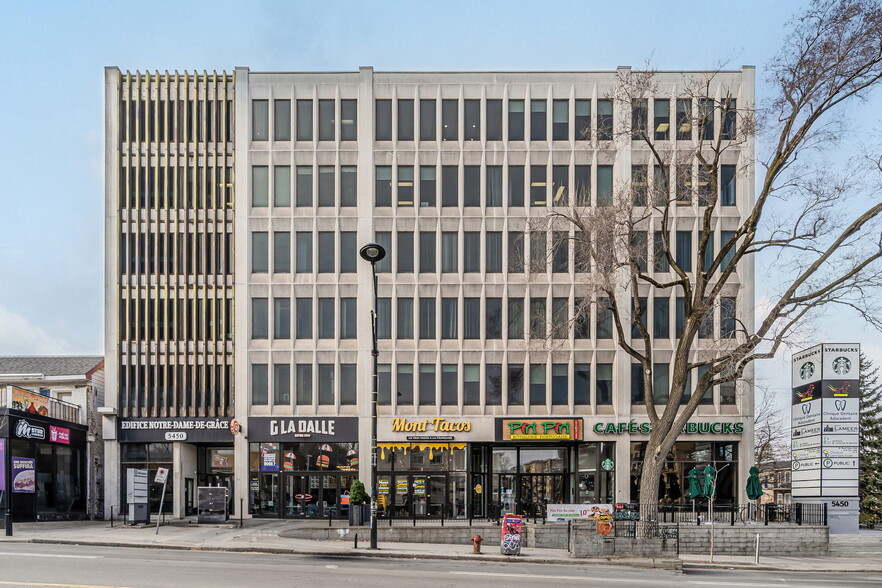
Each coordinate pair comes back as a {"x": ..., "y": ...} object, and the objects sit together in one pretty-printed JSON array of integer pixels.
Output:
[
  {"x": 754, "y": 488},
  {"x": 695, "y": 489},
  {"x": 710, "y": 481}
]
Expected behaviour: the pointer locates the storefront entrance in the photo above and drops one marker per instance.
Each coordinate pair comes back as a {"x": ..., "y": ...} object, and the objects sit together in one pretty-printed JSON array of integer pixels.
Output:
[
  {"x": 418, "y": 495},
  {"x": 316, "y": 496}
]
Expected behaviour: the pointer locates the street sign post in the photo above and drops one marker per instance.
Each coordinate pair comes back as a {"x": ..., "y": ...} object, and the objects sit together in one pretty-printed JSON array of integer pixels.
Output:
[{"x": 161, "y": 478}]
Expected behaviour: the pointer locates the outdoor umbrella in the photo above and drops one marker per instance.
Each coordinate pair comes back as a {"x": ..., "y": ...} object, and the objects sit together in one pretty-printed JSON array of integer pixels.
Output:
[
  {"x": 710, "y": 474},
  {"x": 694, "y": 483},
  {"x": 754, "y": 488}
]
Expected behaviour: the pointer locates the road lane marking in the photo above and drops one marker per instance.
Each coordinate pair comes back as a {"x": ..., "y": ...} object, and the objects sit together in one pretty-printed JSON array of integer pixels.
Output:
[
  {"x": 332, "y": 567},
  {"x": 57, "y": 585},
  {"x": 42, "y": 555},
  {"x": 542, "y": 577}
]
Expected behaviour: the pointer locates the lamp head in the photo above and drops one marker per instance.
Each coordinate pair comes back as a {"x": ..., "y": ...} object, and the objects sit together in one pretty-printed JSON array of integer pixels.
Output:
[{"x": 372, "y": 252}]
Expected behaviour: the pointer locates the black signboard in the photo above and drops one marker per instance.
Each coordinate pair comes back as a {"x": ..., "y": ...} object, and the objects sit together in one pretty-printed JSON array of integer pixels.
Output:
[
  {"x": 44, "y": 429},
  {"x": 840, "y": 388},
  {"x": 344, "y": 429},
  {"x": 197, "y": 430}
]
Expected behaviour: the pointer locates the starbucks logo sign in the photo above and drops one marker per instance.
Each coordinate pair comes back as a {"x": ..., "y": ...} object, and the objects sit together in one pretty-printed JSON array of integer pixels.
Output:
[
  {"x": 807, "y": 370},
  {"x": 841, "y": 365}
]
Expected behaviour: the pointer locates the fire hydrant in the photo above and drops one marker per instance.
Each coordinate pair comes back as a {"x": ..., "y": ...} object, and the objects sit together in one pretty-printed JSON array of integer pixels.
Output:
[{"x": 476, "y": 543}]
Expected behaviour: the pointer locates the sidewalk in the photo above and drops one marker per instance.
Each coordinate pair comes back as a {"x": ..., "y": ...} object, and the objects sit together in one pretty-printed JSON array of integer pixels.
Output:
[{"x": 260, "y": 535}]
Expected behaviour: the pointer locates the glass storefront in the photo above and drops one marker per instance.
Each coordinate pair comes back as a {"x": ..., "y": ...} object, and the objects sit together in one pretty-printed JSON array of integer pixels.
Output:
[
  {"x": 149, "y": 456},
  {"x": 422, "y": 479},
  {"x": 308, "y": 480},
  {"x": 673, "y": 486},
  {"x": 59, "y": 489}
]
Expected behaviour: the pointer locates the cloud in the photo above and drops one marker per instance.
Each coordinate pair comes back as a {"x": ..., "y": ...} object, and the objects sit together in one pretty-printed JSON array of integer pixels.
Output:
[{"x": 19, "y": 336}]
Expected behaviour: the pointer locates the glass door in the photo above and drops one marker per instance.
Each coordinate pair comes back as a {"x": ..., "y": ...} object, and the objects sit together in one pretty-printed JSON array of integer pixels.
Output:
[
  {"x": 419, "y": 495},
  {"x": 267, "y": 496},
  {"x": 437, "y": 495}
]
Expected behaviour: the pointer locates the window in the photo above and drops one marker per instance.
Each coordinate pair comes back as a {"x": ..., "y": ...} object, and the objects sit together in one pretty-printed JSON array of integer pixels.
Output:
[
  {"x": 405, "y": 318},
  {"x": 582, "y": 384},
  {"x": 281, "y": 120},
  {"x": 427, "y": 185},
  {"x": 516, "y": 252},
  {"x": 537, "y": 384},
  {"x": 493, "y": 310},
  {"x": 471, "y": 182},
  {"x": 604, "y": 319},
  {"x": 493, "y": 252},
  {"x": 471, "y": 384},
  {"x": 384, "y": 318},
  {"x": 326, "y": 185},
  {"x": 582, "y": 319},
  {"x": 427, "y": 120},
  {"x": 449, "y": 317},
  {"x": 538, "y": 120},
  {"x": 708, "y": 258},
  {"x": 259, "y": 318},
  {"x": 259, "y": 186},
  {"x": 639, "y": 185},
  {"x": 515, "y": 318},
  {"x": 281, "y": 252},
  {"x": 639, "y": 119},
  {"x": 684, "y": 119},
  {"x": 348, "y": 317},
  {"x": 325, "y": 319},
  {"x": 560, "y": 120},
  {"x": 515, "y": 385},
  {"x": 727, "y": 318},
  {"x": 639, "y": 250},
  {"x": 304, "y": 120},
  {"x": 471, "y": 318},
  {"x": 660, "y": 385},
  {"x": 384, "y": 384},
  {"x": 679, "y": 316},
  {"x": 684, "y": 250},
  {"x": 282, "y": 185},
  {"x": 449, "y": 384},
  {"x": 683, "y": 184},
  {"x": 560, "y": 384},
  {"x": 405, "y": 185},
  {"x": 259, "y": 384},
  {"x": 281, "y": 318},
  {"x": 427, "y": 384},
  {"x": 383, "y": 187},
  {"x": 493, "y": 394},
  {"x": 471, "y": 252},
  {"x": 643, "y": 319},
  {"x": 348, "y": 124},
  {"x": 427, "y": 252},
  {"x": 661, "y": 310},
  {"x": 348, "y": 185},
  {"x": 449, "y": 185},
  {"x": 326, "y": 120},
  {"x": 727, "y": 393},
  {"x": 662, "y": 112},
  {"x": 304, "y": 186},
  {"x": 537, "y": 318},
  {"x": 384, "y": 239},
  {"x": 427, "y": 318},
  {"x": 449, "y": 120},
  {"x": 405, "y": 252},
  {"x": 494, "y": 120},
  {"x": 449, "y": 253},
  {"x": 727, "y": 185},
  {"x": 706, "y": 112},
  {"x": 281, "y": 383},
  {"x": 303, "y": 384},
  {"x": 583, "y": 120},
  {"x": 383, "y": 120},
  {"x": 560, "y": 319},
  {"x": 472, "y": 112},
  {"x": 538, "y": 185},
  {"x": 259, "y": 252},
  {"x": 730, "y": 114},
  {"x": 603, "y": 383},
  {"x": 728, "y": 256},
  {"x": 405, "y": 385},
  {"x": 326, "y": 384},
  {"x": 538, "y": 252},
  {"x": 604, "y": 120},
  {"x": 706, "y": 326},
  {"x": 348, "y": 252},
  {"x": 661, "y": 178},
  {"x": 583, "y": 185},
  {"x": 303, "y": 312},
  {"x": 604, "y": 185},
  {"x": 494, "y": 185},
  {"x": 560, "y": 185},
  {"x": 303, "y": 252},
  {"x": 326, "y": 256},
  {"x": 405, "y": 120},
  {"x": 259, "y": 120},
  {"x": 348, "y": 385},
  {"x": 659, "y": 255},
  {"x": 706, "y": 195},
  {"x": 708, "y": 397},
  {"x": 638, "y": 386},
  {"x": 560, "y": 252},
  {"x": 515, "y": 185},
  {"x": 515, "y": 120}
]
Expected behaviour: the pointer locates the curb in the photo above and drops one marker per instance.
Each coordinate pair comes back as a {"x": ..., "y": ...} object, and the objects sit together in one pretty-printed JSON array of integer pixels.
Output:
[
  {"x": 647, "y": 563},
  {"x": 768, "y": 568}
]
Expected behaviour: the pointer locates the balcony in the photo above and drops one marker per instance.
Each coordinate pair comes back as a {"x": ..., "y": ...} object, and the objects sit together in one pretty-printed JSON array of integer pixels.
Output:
[{"x": 21, "y": 399}]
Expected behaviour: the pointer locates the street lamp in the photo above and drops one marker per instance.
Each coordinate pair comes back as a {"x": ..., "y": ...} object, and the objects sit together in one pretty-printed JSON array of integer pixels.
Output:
[{"x": 372, "y": 253}]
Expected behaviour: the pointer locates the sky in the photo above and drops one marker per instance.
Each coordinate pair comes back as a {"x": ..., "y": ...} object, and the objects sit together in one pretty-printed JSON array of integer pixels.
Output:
[{"x": 52, "y": 58}]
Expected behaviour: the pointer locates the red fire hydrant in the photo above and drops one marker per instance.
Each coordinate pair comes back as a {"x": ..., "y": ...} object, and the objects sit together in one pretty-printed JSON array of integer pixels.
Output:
[{"x": 476, "y": 543}]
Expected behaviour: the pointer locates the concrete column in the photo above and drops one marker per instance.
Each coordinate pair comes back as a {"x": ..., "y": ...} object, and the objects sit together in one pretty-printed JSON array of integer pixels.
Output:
[
  {"x": 183, "y": 467},
  {"x": 623, "y": 469}
]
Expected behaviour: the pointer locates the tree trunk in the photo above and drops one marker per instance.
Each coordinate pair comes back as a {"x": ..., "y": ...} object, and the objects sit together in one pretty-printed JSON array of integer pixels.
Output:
[{"x": 652, "y": 467}]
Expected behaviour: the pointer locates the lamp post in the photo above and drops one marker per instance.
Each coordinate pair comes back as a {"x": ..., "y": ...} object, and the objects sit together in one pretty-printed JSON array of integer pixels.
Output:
[{"x": 372, "y": 253}]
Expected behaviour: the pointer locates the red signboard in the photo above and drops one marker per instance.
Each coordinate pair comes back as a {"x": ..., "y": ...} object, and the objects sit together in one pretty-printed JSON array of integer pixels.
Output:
[{"x": 59, "y": 435}]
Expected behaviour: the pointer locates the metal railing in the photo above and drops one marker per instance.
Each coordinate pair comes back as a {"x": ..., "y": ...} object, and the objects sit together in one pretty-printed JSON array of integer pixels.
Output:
[
  {"x": 446, "y": 513},
  {"x": 701, "y": 513},
  {"x": 57, "y": 409}
]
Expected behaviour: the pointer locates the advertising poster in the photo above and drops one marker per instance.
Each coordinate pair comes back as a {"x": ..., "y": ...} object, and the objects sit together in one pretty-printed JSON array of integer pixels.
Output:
[
  {"x": 24, "y": 477},
  {"x": 558, "y": 513},
  {"x": 28, "y": 401},
  {"x": 2, "y": 465},
  {"x": 269, "y": 457}
]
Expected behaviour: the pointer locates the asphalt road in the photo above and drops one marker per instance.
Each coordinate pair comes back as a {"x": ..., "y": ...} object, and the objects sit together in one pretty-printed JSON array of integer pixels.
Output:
[{"x": 33, "y": 565}]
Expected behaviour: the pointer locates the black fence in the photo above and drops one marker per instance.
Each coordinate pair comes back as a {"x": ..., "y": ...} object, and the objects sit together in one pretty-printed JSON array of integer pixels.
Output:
[{"x": 796, "y": 513}]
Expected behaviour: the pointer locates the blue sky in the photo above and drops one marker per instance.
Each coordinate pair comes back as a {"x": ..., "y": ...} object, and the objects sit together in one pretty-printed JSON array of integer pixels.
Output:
[{"x": 52, "y": 56}]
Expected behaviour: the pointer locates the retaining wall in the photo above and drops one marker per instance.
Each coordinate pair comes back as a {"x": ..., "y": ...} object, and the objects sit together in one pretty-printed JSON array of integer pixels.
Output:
[{"x": 741, "y": 539}]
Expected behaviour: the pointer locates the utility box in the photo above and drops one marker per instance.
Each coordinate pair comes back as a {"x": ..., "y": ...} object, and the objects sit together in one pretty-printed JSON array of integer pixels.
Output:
[
  {"x": 137, "y": 496},
  {"x": 212, "y": 505}
]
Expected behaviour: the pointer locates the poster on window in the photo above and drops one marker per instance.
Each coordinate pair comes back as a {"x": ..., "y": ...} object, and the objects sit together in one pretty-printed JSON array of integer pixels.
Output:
[
  {"x": 269, "y": 457},
  {"x": 24, "y": 478}
]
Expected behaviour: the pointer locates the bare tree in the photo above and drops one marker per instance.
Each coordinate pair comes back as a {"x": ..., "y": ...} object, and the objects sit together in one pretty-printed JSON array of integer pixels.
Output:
[
  {"x": 798, "y": 221},
  {"x": 771, "y": 432}
]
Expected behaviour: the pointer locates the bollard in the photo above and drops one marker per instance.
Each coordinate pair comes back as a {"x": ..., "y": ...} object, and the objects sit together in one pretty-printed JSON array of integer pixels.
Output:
[
  {"x": 476, "y": 543},
  {"x": 241, "y": 513},
  {"x": 756, "y": 557},
  {"x": 356, "y": 541}
]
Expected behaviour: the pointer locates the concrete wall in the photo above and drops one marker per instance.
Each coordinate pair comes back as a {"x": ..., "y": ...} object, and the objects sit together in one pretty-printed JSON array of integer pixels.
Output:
[{"x": 741, "y": 539}]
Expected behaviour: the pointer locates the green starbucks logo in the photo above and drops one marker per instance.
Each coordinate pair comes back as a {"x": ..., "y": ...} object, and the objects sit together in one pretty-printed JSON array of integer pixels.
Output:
[
  {"x": 807, "y": 370},
  {"x": 607, "y": 464},
  {"x": 841, "y": 365}
]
